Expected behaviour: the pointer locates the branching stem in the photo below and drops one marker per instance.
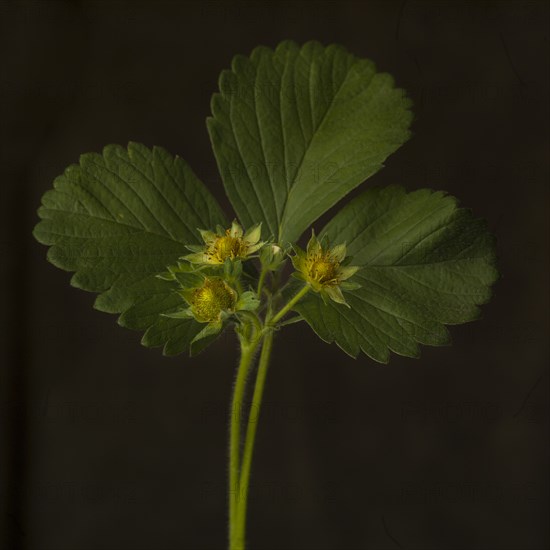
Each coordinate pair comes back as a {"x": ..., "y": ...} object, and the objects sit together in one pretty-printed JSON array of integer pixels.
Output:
[
  {"x": 291, "y": 303},
  {"x": 239, "y": 470}
]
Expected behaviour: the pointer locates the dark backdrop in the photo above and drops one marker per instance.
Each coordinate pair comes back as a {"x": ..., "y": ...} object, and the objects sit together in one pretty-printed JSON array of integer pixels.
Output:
[{"x": 106, "y": 445}]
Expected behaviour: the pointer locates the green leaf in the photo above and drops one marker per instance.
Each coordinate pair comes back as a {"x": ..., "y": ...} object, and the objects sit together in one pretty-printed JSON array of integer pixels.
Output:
[
  {"x": 198, "y": 346},
  {"x": 296, "y": 129},
  {"x": 119, "y": 219},
  {"x": 425, "y": 264}
]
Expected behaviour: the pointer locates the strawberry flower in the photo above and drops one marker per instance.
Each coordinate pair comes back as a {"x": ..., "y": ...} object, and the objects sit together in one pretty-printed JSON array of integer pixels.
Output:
[
  {"x": 324, "y": 269},
  {"x": 232, "y": 244}
]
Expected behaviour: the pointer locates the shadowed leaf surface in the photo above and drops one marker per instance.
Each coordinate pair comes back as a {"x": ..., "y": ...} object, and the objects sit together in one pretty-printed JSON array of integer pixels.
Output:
[
  {"x": 117, "y": 220},
  {"x": 296, "y": 129},
  {"x": 425, "y": 264}
]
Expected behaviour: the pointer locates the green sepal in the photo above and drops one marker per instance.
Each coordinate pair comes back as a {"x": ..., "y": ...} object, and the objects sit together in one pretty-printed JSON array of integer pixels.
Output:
[
  {"x": 208, "y": 235},
  {"x": 182, "y": 314},
  {"x": 298, "y": 275},
  {"x": 232, "y": 269},
  {"x": 208, "y": 330},
  {"x": 347, "y": 285},
  {"x": 247, "y": 301},
  {"x": 205, "y": 337},
  {"x": 253, "y": 233},
  {"x": 298, "y": 258},
  {"x": 166, "y": 276},
  {"x": 198, "y": 346},
  {"x": 190, "y": 279},
  {"x": 194, "y": 248},
  {"x": 335, "y": 294},
  {"x": 272, "y": 256}
]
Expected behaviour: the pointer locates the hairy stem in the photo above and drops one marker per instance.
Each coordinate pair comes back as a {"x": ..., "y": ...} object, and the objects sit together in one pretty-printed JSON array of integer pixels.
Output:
[
  {"x": 239, "y": 472},
  {"x": 248, "y": 348},
  {"x": 252, "y": 425},
  {"x": 291, "y": 303}
]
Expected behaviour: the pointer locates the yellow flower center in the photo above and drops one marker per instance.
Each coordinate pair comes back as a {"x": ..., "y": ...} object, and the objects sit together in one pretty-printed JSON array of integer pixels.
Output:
[
  {"x": 208, "y": 301},
  {"x": 227, "y": 247},
  {"x": 323, "y": 270}
]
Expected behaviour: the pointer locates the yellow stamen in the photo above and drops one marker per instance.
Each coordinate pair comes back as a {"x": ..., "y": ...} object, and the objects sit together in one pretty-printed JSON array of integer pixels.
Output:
[
  {"x": 208, "y": 301},
  {"x": 322, "y": 268},
  {"x": 227, "y": 246}
]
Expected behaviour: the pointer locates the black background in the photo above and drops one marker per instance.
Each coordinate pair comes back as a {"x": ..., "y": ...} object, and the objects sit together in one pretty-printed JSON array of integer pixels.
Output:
[{"x": 108, "y": 445}]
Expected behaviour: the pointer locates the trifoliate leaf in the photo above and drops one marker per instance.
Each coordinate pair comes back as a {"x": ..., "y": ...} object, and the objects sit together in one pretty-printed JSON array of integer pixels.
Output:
[
  {"x": 121, "y": 218},
  {"x": 296, "y": 129},
  {"x": 425, "y": 264}
]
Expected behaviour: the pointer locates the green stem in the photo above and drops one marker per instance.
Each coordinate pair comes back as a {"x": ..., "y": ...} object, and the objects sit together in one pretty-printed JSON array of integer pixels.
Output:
[
  {"x": 240, "y": 528},
  {"x": 247, "y": 354},
  {"x": 261, "y": 281},
  {"x": 239, "y": 473},
  {"x": 292, "y": 302}
]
